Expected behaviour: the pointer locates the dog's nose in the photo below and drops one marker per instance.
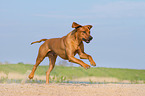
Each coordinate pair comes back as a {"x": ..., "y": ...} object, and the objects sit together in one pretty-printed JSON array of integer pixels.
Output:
[{"x": 90, "y": 37}]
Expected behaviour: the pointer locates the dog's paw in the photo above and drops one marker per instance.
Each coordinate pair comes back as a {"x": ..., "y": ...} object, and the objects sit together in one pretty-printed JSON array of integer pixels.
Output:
[
  {"x": 86, "y": 66},
  {"x": 93, "y": 63},
  {"x": 31, "y": 76}
]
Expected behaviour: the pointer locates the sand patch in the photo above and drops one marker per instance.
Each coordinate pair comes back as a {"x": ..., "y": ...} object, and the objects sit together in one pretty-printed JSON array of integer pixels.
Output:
[
  {"x": 20, "y": 76},
  {"x": 96, "y": 79},
  {"x": 72, "y": 89}
]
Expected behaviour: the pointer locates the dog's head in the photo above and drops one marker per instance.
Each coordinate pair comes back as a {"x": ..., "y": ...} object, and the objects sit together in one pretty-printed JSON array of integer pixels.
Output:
[{"x": 83, "y": 31}]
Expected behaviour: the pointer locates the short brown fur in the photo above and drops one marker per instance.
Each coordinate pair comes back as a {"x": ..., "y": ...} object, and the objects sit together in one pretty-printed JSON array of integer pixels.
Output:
[{"x": 66, "y": 47}]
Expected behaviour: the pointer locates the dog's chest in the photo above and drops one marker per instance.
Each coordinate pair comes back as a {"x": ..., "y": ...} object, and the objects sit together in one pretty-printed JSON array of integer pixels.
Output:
[{"x": 75, "y": 46}]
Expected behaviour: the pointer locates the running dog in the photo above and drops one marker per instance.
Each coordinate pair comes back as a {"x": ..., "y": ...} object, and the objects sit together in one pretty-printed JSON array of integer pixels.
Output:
[{"x": 66, "y": 48}]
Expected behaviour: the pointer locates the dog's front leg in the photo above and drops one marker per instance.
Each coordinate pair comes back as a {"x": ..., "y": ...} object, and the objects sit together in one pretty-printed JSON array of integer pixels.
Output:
[
  {"x": 83, "y": 55},
  {"x": 75, "y": 60},
  {"x": 86, "y": 56}
]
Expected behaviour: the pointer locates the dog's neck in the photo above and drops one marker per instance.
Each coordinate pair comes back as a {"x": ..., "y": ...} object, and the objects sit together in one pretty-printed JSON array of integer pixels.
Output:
[
  {"x": 73, "y": 32},
  {"x": 77, "y": 38}
]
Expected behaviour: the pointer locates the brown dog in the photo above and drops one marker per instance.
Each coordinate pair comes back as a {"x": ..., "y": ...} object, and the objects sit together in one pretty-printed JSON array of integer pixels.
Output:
[{"x": 66, "y": 47}]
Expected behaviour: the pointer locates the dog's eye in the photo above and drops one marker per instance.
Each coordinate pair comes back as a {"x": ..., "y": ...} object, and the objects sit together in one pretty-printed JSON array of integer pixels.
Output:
[{"x": 84, "y": 31}]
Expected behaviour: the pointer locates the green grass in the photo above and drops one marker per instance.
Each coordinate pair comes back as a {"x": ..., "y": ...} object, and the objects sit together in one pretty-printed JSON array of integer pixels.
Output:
[{"x": 77, "y": 72}]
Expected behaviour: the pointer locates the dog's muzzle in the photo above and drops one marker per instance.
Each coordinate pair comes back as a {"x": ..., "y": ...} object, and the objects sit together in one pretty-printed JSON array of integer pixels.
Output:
[{"x": 88, "y": 40}]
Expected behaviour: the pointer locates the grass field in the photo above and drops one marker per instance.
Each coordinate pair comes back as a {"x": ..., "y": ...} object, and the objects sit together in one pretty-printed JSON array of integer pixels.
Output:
[{"x": 69, "y": 73}]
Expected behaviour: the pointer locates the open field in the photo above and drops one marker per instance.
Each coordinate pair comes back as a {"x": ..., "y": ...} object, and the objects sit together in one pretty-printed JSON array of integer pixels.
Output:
[
  {"x": 62, "y": 73},
  {"x": 116, "y": 82}
]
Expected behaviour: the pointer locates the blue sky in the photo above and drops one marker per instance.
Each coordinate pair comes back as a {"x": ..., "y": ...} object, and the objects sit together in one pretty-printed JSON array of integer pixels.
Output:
[{"x": 118, "y": 29}]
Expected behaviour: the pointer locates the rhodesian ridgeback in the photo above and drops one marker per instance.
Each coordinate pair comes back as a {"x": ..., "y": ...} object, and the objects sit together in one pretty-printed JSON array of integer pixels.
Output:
[{"x": 66, "y": 47}]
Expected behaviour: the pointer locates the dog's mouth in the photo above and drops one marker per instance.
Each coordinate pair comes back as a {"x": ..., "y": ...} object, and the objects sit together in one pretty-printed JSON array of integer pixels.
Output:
[{"x": 88, "y": 40}]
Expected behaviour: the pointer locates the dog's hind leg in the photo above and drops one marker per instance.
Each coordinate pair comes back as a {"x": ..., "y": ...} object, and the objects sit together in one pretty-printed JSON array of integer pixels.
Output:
[
  {"x": 52, "y": 58},
  {"x": 41, "y": 55}
]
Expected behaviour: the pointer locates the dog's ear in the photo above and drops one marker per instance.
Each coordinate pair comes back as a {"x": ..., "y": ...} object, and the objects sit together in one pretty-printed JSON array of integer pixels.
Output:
[
  {"x": 89, "y": 26},
  {"x": 75, "y": 25}
]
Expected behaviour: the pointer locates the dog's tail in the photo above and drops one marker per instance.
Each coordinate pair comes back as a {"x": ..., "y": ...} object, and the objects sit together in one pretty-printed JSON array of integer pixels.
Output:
[{"x": 38, "y": 41}]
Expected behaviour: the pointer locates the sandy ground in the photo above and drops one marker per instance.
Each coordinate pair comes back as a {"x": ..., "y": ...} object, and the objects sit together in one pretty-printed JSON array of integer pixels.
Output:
[
  {"x": 65, "y": 89},
  {"x": 72, "y": 89}
]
